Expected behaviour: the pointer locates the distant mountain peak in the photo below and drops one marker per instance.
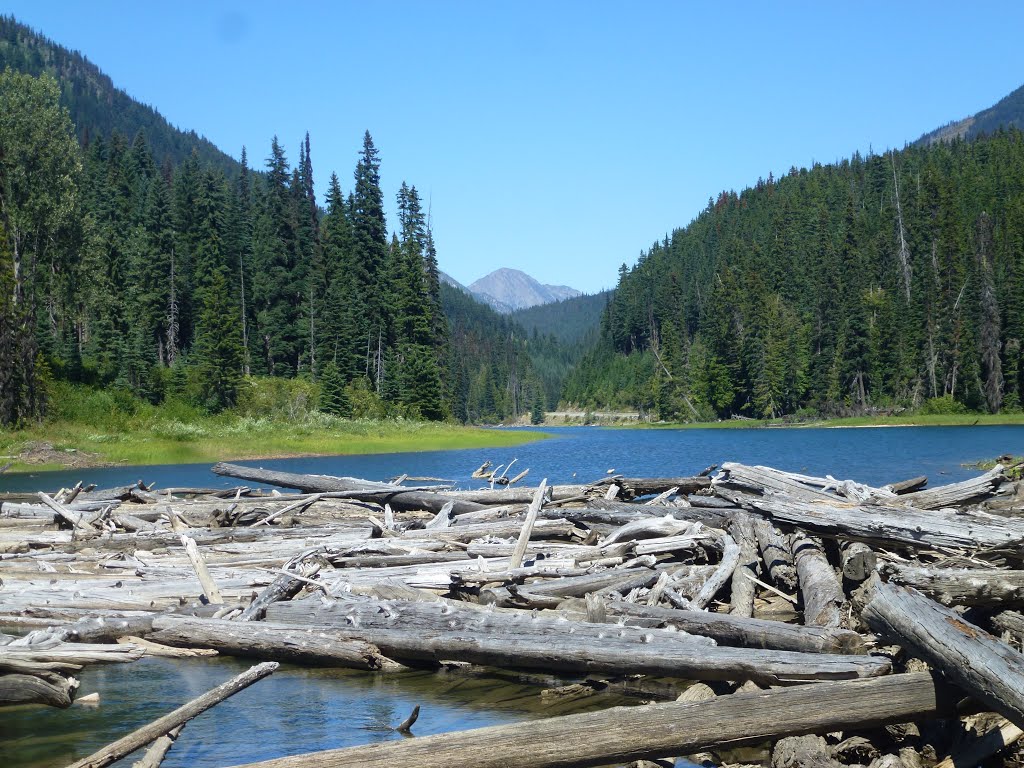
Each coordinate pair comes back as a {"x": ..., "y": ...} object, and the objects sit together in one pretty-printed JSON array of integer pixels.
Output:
[{"x": 507, "y": 290}]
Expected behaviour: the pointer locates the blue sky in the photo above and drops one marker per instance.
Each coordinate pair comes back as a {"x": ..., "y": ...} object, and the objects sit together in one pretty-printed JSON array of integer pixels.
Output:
[{"x": 557, "y": 138}]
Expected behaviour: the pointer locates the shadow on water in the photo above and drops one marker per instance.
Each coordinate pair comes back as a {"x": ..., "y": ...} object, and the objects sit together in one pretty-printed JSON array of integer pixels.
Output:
[{"x": 294, "y": 710}]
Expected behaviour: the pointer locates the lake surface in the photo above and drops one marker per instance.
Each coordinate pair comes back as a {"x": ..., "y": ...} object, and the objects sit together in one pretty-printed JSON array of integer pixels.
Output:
[
  {"x": 876, "y": 455},
  {"x": 294, "y": 710},
  {"x": 297, "y": 710}
]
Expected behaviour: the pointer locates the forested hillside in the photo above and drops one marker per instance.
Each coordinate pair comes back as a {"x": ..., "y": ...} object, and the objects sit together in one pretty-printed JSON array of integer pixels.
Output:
[
  {"x": 882, "y": 281},
  {"x": 176, "y": 281},
  {"x": 1008, "y": 112},
  {"x": 96, "y": 106},
  {"x": 492, "y": 377}
]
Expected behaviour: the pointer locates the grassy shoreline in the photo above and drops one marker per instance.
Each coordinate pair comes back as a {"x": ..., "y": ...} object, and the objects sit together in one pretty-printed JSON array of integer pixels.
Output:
[
  {"x": 59, "y": 445},
  {"x": 916, "y": 420}
]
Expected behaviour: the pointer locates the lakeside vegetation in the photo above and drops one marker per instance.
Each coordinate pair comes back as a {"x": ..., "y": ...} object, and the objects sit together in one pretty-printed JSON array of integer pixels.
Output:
[
  {"x": 98, "y": 427},
  {"x": 899, "y": 420}
]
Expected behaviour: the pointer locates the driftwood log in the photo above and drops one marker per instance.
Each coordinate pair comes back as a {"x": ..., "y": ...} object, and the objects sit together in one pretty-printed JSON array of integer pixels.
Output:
[
  {"x": 622, "y": 734},
  {"x": 989, "y": 669}
]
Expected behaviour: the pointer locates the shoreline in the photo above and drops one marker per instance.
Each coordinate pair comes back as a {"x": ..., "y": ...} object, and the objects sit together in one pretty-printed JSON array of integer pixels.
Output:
[{"x": 42, "y": 449}]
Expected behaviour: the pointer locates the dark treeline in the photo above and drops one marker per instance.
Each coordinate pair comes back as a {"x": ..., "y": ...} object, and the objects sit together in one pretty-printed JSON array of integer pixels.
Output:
[
  {"x": 178, "y": 281},
  {"x": 882, "y": 281}
]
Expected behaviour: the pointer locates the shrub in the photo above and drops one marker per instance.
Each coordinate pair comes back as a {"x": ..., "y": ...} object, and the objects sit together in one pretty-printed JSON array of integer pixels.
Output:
[
  {"x": 942, "y": 406},
  {"x": 290, "y": 399}
]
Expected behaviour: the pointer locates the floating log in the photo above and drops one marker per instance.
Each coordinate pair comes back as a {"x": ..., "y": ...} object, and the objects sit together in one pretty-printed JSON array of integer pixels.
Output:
[
  {"x": 266, "y": 640},
  {"x": 49, "y": 688},
  {"x": 154, "y": 730},
  {"x": 398, "y": 496},
  {"x": 617, "y": 735},
  {"x": 158, "y": 749},
  {"x": 989, "y": 670}
]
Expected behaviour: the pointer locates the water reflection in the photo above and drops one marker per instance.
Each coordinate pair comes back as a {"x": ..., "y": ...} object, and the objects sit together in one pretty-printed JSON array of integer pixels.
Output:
[{"x": 294, "y": 710}]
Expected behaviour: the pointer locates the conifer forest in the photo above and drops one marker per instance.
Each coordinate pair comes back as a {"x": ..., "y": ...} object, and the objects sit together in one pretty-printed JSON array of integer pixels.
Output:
[{"x": 140, "y": 259}]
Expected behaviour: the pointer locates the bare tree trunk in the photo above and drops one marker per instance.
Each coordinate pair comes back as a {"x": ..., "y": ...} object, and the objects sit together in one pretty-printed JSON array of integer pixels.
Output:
[
  {"x": 172, "y": 319},
  {"x": 245, "y": 326},
  {"x": 904, "y": 253}
]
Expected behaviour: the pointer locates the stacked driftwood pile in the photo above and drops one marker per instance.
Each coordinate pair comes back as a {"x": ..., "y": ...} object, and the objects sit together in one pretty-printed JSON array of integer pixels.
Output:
[{"x": 834, "y": 622}]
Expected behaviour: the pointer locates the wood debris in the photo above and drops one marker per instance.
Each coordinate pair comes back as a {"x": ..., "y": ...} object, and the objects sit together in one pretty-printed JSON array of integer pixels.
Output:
[{"x": 907, "y": 599}]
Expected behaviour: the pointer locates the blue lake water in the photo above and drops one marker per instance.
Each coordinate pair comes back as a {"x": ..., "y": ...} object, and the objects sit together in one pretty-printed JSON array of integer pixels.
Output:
[{"x": 875, "y": 455}]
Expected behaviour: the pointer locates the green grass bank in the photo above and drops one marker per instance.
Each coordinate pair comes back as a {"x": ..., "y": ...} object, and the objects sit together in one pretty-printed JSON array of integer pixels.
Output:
[{"x": 101, "y": 427}]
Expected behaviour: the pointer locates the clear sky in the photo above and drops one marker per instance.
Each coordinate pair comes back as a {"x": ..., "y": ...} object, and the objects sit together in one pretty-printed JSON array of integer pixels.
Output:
[{"x": 557, "y": 138}]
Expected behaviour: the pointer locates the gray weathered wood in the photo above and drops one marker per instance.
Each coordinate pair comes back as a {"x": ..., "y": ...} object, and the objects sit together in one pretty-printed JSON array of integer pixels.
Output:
[
  {"x": 49, "y": 688},
  {"x": 820, "y": 589},
  {"x": 614, "y": 736},
  {"x": 399, "y": 497},
  {"x": 986, "y": 668},
  {"x": 721, "y": 576},
  {"x": 531, "y": 517},
  {"x": 858, "y": 560},
  {"x": 744, "y": 632},
  {"x": 962, "y": 586},
  {"x": 435, "y": 632},
  {"x": 267, "y": 640},
  {"x": 887, "y": 525},
  {"x": 777, "y": 554},
  {"x": 742, "y": 601}
]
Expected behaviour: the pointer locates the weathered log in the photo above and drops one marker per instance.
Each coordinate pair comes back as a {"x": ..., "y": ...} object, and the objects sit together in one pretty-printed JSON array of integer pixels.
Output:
[
  {"x": 269, "y": 641},
  {"x": 284, "y": 587},
  {"x": 858, "y": 560},
  {"x": 210, "y": 590},
  {"x": 887, "y": 525},
  {"x": 962, "y": 586},
  {"x": 742, "y": 601},
  {"x": 158, "y": 749},
  {"x": 726, "y": 629},
  {"x": 51, "y": 689},
  {"x": 976, "y": 752},
  {"x": 572, "y": 586},
  {"x": 435, "y": 632},
  {"x": 954, "y": 494},
  {"x": 1009, "y": 621},
  {"x": 531, "y": 517},
  {"x": 398, "y": 496},
  {"x": 620, "y": 734},
  {"x": 154, "y": 730},
  {"x": 730, "y": 559},
  {"x": 821, "y": 591},
  {"x": 988, "y": 669},
  {"x": 76, "y": 519},
  {"x": 777, "y": 554}
]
